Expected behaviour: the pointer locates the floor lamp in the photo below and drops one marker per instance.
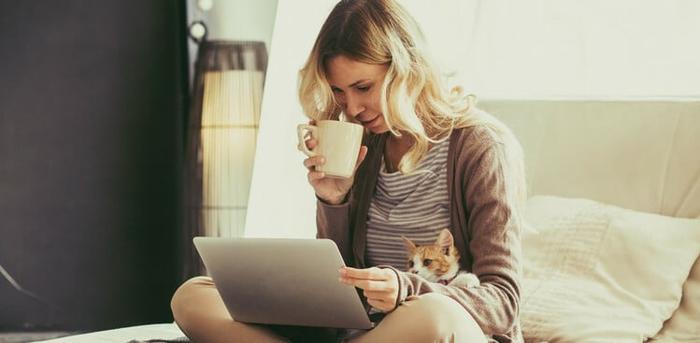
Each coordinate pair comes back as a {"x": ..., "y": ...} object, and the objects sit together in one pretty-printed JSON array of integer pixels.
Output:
[{"x": 222, "y": 131}]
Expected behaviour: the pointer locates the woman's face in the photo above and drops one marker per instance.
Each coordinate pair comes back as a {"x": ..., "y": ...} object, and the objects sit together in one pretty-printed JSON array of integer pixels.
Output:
[{"x": 357, "y": 88}]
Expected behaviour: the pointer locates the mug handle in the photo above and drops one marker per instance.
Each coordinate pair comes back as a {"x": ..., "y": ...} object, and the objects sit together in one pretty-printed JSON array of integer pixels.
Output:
[{"x": 302, "y": 129}]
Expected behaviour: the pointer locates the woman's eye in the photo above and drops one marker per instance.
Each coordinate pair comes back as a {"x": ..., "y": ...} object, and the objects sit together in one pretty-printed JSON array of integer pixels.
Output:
[
  {"x": 363, "y": 88},
  {"x": 427, "y": 262}
]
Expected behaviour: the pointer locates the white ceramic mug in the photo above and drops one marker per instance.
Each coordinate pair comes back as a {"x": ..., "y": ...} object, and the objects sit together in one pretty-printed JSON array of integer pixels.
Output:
[{"x": 338, "y": 142}]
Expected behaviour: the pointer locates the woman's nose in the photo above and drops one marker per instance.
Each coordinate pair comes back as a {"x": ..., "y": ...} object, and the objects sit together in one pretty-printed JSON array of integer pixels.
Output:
[{"x": 353, "y": 107}]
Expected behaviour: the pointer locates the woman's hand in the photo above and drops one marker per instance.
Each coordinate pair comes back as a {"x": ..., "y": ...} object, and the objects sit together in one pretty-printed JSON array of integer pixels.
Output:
[
  {"x": 332, "y": 190},
  {"x": 380, "y": 285}
]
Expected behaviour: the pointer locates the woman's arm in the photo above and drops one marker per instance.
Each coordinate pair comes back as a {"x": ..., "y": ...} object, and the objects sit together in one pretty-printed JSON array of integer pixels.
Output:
[
  {"x": 332, "y": 222},
  {"x": 494, "y": 244}
]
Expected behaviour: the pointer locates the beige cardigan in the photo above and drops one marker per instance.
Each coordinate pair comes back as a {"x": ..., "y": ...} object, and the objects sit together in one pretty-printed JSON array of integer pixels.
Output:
[{"x": 485, "y": 232}]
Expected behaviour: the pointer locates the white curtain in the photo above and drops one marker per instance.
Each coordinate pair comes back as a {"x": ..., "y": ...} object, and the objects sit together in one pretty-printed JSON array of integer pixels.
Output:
[{"x": 496, "y": 49}]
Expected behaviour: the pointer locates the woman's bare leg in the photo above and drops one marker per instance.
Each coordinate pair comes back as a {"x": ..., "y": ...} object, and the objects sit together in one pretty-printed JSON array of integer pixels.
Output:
[
  {"x": 430, "y": 317},
  {"x": 201, "y": 314}
]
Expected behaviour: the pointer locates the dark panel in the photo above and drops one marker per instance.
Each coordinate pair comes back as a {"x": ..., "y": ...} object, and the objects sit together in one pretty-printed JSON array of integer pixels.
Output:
[{"x": 92, "y": 99}]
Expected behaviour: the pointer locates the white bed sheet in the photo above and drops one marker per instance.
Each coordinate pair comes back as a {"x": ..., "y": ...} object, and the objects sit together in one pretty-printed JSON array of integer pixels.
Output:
[{"x": 123, "y": 335}]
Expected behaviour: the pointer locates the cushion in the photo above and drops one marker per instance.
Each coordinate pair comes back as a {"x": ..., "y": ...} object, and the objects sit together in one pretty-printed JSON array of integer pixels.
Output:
[
  {"x": 599, "y": 272},
  {"x": 684, "y": 325}
]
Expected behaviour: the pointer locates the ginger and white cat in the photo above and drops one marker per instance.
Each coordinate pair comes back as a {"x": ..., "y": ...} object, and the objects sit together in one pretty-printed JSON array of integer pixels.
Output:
[{"x": 438, "y": 262}]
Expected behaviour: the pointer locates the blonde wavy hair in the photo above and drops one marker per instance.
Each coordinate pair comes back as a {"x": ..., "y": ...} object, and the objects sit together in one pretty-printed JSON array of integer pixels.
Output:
[{"x": 414, "y": 98}]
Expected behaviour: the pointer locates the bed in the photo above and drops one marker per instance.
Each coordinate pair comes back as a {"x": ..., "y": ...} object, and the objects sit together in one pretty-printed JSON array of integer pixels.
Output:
[
  {"x": 613, "y": 186},
  {"x": 163, "y": 332},
  {"x": 614, "y": 205}
]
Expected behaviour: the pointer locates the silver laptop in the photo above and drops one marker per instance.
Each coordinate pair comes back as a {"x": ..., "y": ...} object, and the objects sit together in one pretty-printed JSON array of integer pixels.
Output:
[{"x": 282, "y": 281}]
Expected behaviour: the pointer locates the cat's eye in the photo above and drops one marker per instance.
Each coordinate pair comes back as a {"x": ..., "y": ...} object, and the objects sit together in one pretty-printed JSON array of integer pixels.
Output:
[
  {"x": 410, "y": 264},
  {"x": 427, "y": 262}
]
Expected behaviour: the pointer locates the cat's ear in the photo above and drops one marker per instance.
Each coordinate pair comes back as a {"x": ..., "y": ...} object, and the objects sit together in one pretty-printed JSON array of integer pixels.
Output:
[
  {"x": 409, "y": 245},
  {"x": 445, "y": 240}
]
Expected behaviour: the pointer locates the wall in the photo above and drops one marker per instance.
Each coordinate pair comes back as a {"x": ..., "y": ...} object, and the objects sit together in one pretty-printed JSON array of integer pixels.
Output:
[
  {"x": 92, "y": 100},
  {"x": 237, "y": 19},
  {"x": 234, "y": 20},
  {"x": 535, "y": 49}
]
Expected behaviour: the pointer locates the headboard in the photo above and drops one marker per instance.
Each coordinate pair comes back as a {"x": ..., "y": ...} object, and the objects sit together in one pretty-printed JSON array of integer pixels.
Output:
[{"x": 641, "y": 155}]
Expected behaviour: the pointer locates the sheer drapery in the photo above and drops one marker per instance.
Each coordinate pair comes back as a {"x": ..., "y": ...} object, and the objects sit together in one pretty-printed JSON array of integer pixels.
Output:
[{"x": 221, "y": 139}]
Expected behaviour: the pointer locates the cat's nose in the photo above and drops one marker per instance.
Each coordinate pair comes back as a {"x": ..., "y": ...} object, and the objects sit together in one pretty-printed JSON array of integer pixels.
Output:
[{"x": 414, "y": 271}]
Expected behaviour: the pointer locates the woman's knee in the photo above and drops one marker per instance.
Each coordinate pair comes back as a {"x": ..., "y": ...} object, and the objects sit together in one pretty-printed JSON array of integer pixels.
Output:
[
  {"x": 202, "y": 316},
  {"x": 185, "y": 295},
  {"x": 440, "y": 317}
]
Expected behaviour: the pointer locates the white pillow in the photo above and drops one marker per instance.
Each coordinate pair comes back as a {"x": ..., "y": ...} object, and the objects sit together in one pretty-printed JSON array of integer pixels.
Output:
[
  {"x": 684, "y": 325},
  {"x": 600, "y": 273}
]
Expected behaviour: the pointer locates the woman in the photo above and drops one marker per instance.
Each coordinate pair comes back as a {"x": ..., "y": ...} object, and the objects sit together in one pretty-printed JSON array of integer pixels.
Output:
[{"x": 430, "y": 160}]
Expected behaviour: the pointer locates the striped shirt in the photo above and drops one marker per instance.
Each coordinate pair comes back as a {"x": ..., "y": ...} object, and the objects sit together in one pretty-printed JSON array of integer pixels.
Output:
[{"x": 414, "y": 205}]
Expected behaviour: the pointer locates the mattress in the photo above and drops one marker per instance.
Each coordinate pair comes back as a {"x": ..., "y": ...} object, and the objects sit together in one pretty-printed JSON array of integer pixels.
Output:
[{"x": 166, "y": 332}]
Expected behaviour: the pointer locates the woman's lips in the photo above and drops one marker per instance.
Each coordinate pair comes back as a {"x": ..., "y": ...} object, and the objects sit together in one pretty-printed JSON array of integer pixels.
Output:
[{"x": 370, "y": 122}]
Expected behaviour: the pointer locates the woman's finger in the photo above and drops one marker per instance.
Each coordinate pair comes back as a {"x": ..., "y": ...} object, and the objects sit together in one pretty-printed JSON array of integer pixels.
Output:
[
  {"x": 376, "y": 301},
  {"x": 311, "y": 143},
  {"x": 372, "y": 285},
  {"x": 384, "y": 296},
  {"x": 379, "y": 305},
  {"x": 373, "y": 273},
  {"x": 315, "y": 175},
  {"x": 311, "y": 162}
]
